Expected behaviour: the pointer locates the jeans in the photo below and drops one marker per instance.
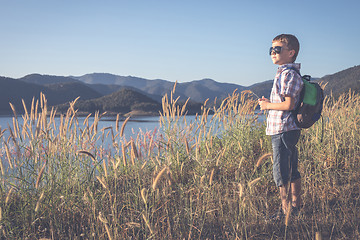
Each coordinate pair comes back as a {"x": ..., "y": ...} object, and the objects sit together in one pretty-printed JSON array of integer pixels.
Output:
[{"x": 285, "y": 157}]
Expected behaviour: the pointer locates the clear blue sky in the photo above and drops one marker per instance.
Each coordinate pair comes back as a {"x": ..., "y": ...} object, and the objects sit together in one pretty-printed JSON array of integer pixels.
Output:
[{"x": 185, "y": 40}]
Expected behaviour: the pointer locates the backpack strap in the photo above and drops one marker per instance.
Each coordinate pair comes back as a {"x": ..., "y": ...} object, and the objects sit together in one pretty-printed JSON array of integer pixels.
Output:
[
  {"x": 292, "y": 68},
  {"x": 305, "y": 77},
  {"x": 302, "y": 93}
]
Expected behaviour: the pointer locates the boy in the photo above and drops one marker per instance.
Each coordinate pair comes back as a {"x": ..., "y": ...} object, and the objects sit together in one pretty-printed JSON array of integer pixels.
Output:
[{"x": 280, "y": 123}]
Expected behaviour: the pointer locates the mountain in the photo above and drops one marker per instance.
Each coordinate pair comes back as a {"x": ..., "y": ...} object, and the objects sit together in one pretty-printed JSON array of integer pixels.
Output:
[
  {"x": 14, "y": 90},
  {"x": 68, "y": 91},
  {"x": 46, "y": 79},
  {"x": 342, "y": 81},
  {"x": 102, "y": 90},
  {"x": 108, "y": 89},
  {"x": 156, "y": 87},
  {"x": 262, "y": 89},
  {"x": 105, "y": 89},
  {"x": 66, "y": 88},
  {"x": 123, "y": 101},
  {"x": 105, "y": 83},
  {"x": 111, "y": 79},
  {"x": 201, "y": 90},
  {"x": 198, "y": 90}
]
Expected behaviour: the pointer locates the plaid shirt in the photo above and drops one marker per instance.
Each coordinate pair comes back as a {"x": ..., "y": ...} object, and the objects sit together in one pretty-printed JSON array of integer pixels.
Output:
[{"x": 286, "y": 83}]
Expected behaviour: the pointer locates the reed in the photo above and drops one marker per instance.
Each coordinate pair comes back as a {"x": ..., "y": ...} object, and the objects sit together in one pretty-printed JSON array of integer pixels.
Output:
[
  {"x": 157, "y": 178},
  {"x": 262, "y": 159},
  {"x": 191, "y": 180},
  {"x": 123, "y": 125}
]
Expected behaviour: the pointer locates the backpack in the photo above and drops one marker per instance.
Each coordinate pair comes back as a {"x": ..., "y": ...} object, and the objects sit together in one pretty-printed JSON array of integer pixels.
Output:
[{"x": 309, "y": 107}]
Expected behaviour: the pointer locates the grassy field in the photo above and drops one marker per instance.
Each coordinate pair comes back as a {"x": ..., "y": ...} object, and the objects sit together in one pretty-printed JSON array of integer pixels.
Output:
[{"x": 206, "y": 179}]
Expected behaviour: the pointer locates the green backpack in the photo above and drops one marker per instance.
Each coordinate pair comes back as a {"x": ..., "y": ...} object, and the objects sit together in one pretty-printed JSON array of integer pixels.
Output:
[{"x": 310, "y": 105}]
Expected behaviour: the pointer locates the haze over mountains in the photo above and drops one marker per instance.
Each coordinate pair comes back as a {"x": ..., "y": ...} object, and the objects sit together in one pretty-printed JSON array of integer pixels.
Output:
[{"x": 124, "y": 94}]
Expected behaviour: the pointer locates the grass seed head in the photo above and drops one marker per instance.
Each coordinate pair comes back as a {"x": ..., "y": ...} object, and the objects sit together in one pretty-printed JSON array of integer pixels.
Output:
[
  {"x": 262, "y": 158},
  {"x": 253, "y": 182},
  {"x": 156, "y": 181},
  {"x": 143, "y": 195}
]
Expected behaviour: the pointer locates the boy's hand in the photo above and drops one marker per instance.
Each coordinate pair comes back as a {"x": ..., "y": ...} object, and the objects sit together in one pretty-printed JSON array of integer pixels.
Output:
[{"x": 263, "y": 102}]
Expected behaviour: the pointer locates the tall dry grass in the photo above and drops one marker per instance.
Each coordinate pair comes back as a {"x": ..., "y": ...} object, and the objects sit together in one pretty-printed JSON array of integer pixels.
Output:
[{"x": 205, "y": 179}]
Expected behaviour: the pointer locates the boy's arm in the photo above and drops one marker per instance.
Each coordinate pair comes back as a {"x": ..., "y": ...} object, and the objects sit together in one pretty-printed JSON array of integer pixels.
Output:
[{"x": 287, "y": 105}]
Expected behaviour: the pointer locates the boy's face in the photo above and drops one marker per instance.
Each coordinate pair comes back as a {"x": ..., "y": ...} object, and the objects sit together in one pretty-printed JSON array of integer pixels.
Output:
[{"x": 284, "y": 56}]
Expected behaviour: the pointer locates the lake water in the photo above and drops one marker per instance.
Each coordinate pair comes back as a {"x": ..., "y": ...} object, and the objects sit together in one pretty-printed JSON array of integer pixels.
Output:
[{"x": 133, "y": 127}]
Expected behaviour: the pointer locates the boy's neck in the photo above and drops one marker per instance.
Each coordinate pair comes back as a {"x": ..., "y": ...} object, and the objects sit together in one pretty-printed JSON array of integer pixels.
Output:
[{"x": 286, "y": 64}]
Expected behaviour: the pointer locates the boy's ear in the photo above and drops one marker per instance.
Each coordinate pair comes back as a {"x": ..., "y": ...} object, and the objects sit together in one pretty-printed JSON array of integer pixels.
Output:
[{"x": 292, "y": 53}]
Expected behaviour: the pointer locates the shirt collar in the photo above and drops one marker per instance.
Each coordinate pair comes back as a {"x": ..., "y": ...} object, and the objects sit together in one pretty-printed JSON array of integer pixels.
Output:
[{"x": 290, "y": 65}]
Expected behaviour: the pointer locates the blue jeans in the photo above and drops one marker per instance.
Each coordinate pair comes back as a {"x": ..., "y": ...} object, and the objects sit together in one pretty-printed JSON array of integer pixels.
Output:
[{"x": 285, "y": 157}]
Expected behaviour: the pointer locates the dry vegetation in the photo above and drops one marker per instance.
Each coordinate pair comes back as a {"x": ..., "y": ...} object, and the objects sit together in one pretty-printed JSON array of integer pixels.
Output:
[{"x": 208, "y": 179}]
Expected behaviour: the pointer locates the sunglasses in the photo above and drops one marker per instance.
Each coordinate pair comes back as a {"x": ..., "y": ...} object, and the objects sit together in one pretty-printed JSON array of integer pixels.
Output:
[{"x": 276, "y": 50}]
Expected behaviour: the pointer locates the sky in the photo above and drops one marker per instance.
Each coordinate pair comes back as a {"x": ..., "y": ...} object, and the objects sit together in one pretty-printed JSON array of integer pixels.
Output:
[{"x": 227, "y": 41}]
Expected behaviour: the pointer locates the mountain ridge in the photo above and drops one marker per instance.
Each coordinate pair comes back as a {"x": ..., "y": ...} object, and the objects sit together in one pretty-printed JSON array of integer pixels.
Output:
[
  {"x": 197, "y": 90},
  {"x": 59, "y": 89},
  {"x": 121, "y": 102}
]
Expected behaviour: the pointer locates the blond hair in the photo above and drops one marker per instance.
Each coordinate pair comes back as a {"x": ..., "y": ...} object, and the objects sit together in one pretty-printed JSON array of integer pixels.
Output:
[{"x": 291, "y": 42}]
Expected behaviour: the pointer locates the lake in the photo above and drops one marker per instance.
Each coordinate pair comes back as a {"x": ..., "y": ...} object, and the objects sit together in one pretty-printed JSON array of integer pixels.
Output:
[
  {"x": 133, "y": 127},
  {"x": 147, "y": 124}
]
